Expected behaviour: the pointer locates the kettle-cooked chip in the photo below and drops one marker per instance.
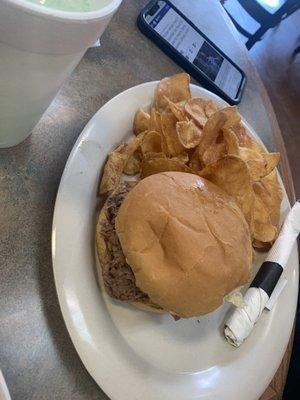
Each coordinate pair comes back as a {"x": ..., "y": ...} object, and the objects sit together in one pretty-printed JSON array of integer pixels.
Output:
[
  {"x": 183, "y": 158},
  {"x": 259, "y": 164},
  {"x": 133, "y": 166},
  {"x": 231, "y": 174},
  {"x": 141, "y": 121},
  {"x": 195, "y": 108},
  {"x": 168, "y": 124},
  {"x": 245, "y": 140},
  {"x": 176, "y": 88},
  {"x": 263, "y": 230},
  {"x": 270, "y": 162},
  {"x": 225, "y": 144},
  {"x": 113, "y": 170},
  {"x": 189, "y": 134},
  {"x": 195, "y": 162},
  {"x": 155, "y": 121},
  {"x": 270, "y": 193},
  {"x": 210, "y": 108},
  {"x": 156, "y": 165},
  {"x": 231, "y": 142},
  {"x": 221, "y": 119},
  {"x": 255, "y": 162},
  {"x": 177, "y": 109},
  {"x": 116, "y": 163},
  {"x": 152, "y": 154},
  {"x": 200, "y": 110},
  {"x": 214, "y": 152},
  {"x": 152, "y": 143}
]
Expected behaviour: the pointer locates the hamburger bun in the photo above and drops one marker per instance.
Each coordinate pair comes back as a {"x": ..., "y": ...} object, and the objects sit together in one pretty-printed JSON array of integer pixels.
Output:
[{"x": 186, "y": 241}]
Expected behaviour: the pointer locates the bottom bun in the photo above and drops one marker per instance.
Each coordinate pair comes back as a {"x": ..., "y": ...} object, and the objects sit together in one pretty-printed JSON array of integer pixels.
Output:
[{"x": 148, "y": 307}]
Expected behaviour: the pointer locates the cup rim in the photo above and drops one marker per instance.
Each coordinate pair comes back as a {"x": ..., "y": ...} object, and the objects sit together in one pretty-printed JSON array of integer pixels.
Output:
[{"x": 53, "y": 13}]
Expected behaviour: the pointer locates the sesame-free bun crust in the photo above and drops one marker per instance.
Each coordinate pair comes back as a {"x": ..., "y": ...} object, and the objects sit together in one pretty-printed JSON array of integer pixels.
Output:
[
  {"x": 147, "y": 307},
  {"x": 186, "y": 241}
]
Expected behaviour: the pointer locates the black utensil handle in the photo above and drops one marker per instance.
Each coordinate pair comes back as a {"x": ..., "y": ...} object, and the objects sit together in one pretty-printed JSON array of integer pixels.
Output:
[{"x": 267, "y": 276}]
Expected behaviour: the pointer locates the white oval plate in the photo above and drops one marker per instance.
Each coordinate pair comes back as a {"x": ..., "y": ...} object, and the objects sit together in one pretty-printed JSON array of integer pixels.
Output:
[{"x": 136, "y": 355}]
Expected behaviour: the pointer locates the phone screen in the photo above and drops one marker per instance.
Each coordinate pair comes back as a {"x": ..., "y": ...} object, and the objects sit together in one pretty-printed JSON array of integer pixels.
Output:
[{"x": 185, "y": 39}]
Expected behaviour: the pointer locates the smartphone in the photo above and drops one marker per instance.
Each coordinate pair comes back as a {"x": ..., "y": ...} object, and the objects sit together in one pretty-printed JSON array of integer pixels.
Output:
[{"x": 179, "y": 38}]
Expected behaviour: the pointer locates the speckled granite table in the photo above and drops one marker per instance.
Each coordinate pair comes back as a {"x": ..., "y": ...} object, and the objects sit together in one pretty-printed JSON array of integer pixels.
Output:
[{"x": 37, "y": 357}]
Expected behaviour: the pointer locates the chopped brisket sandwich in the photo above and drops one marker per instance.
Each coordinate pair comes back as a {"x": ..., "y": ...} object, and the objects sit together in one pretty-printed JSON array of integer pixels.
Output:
[{"x": 173, "y": 242}]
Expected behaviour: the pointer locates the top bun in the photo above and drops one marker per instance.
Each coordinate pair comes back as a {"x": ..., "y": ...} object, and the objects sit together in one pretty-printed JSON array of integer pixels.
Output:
[{"x": 186, "y": 241}]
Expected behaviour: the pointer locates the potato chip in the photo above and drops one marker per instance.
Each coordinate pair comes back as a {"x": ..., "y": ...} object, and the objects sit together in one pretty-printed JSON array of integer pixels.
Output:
[
  {"x": 156, "y": 165},
  {"x": 183, "y": 158},
  {"x": 155, "y": 121},
  {"x": 152, "y": 143},
  {"x": 231, "y": 142},
  {"x": 214, "y": 153},
  {"x": 138, "y": 153},
  {"x": 133, "y": 144},
  {"x": 141, "y": 121},
  {"x": 113, "y": 170},
  {"x": 210, "y": 108},
  {"x": 254, "y": 162},
  {"x": 248, "y": 154},
  {"x": 270, "y": 193},
  {"x": 195, "y": 108},
  {"x": 261, "y": 246},
  {"x": 231, "y": 174},
  {"x": 177, "y": 110},
  {"x": 151, "y": 154},
  {"x": 133, "y": 166},
  {"x": 263, "y": 230},
  {"x": 200, "y": 110},
  {"x": 181, "y": 104},
  {"x": 226, "y": 143},
  {"x": 232, "y": 116},
  {"x": 259, "y": 164},
  {"x": 258, "y": 245},
  {"x": 168, "y": 124},
  {"x": 176, "y": 88},
  {"x": 271, "y": 160},
  {"x": 224, "y": 118},
  {"x": 245, "y": 140},
  {"x": 116, "y": 163},
  {"x": 189, "y": 134},
  {"x": 195, "y": 162},
  {"x": 268, "y": 197}
]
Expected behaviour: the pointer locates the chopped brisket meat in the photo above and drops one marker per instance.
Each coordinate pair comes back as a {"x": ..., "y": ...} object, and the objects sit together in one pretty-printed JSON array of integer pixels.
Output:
[{"x": 118, "y": 277}]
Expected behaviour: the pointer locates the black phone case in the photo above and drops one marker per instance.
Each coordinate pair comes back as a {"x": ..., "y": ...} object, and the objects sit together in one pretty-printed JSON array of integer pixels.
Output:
[{"x": 181, "y": 60}]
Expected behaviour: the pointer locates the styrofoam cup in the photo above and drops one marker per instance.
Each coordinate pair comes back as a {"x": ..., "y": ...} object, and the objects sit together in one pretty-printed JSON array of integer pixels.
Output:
[{"x": 39, "y": 48}]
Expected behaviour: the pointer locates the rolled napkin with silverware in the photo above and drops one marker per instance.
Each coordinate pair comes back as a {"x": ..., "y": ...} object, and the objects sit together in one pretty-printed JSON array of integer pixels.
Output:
[{"x": 240, "y": 324}]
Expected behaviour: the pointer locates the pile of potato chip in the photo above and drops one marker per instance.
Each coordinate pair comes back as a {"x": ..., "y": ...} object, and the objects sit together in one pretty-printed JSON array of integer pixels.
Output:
[{"x": 181, "y": 133}]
